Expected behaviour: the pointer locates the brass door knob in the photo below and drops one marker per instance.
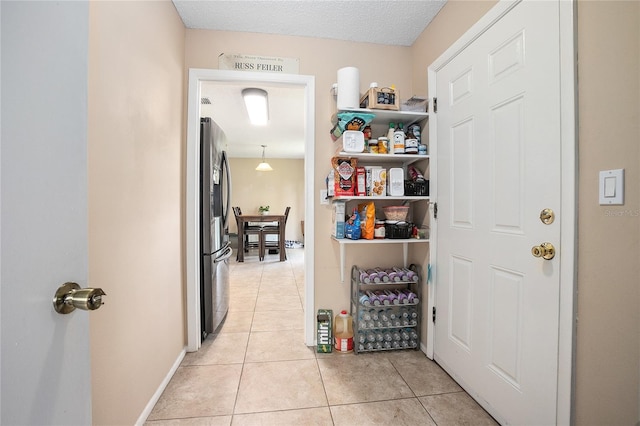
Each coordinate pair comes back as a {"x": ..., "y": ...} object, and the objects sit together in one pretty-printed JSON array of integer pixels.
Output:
[{"x": 544, "y": 250}]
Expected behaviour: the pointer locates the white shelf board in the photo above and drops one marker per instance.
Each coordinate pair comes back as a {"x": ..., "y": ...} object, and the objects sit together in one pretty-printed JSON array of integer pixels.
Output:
[
  {"x": 368, "y": 158},
  {"x": 343, "y": 242},
  {"x": 410, "y": 198},
  {"x": 409, "y": 117}
]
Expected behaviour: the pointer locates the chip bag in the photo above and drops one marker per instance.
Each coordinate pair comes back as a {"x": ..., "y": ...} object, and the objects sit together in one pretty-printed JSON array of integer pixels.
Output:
[{"x": 367, "y": 213}]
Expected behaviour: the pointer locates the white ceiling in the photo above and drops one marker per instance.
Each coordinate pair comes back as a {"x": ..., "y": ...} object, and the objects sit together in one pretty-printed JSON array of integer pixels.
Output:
[
  {"x": 393, "y": 22},
  {"x": 390, "y": 22},
  {"x": 284, "y": 135}
]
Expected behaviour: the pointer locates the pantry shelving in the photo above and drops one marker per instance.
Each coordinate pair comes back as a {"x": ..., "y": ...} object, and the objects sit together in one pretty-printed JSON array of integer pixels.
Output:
[{"x": 379, "y": 125}]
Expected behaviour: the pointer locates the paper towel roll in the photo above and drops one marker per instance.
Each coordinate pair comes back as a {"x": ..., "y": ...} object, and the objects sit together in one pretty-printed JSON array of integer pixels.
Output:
[{"x": 348, "y": 88}]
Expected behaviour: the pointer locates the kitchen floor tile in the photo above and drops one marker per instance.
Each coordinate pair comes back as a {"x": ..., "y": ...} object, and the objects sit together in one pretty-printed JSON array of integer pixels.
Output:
[
  {"x": 223, "y": 348},
  {"x": 306, "y": 417},
  {"x": 270, "y": 302},
  {"x": 423, "y": 376},
  {"x": 199, "y": 391},
  {"x": 278, "y": 346},
  {"x": 257, "y": 370},
  {"x": 195, "y": 421},
  {"x": 383, "y": 413},
  {"x": 243, "y": 304},
  {"x": 456, "y": 409},
  {"x": 281, "y": 385},
  {"x": 237, "y": 322},
  {"x": 278, "y": 320},
  {"x": 350, "y": 378}
]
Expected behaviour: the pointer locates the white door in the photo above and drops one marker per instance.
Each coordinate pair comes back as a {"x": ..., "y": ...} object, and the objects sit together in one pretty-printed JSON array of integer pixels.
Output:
[
  {"x": 498, "y": 167},
  {"x": 45, "y": 372}
]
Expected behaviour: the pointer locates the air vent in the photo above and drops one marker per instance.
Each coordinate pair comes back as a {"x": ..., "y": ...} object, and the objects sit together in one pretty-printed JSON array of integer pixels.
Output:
[{"x": 205, "y": 101}]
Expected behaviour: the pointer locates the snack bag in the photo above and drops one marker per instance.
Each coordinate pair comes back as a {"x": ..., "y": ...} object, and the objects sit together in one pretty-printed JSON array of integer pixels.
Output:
[
  {"x": 352, "y": 226},
  {"x": 354, "y": 120},
  {"x": 367, "y": 212},
  {"x": 344, "y": 170}
]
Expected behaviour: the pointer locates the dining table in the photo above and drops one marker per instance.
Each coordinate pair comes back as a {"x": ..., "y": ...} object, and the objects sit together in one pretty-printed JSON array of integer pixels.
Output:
[{"x": 262, "y": 220}]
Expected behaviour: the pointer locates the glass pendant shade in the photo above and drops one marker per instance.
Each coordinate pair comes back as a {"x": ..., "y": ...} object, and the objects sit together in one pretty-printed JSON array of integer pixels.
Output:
[{"x": 264, "y": 166}]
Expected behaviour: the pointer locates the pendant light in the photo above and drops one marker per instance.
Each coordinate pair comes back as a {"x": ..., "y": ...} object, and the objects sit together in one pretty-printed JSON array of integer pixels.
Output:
[
  {"x": 257, "y": 106},
  {"x": 264, "y": 166}
]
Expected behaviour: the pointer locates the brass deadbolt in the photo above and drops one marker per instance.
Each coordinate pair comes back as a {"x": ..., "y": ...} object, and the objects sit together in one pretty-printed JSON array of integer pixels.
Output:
[{"x": 547, "y": 216}]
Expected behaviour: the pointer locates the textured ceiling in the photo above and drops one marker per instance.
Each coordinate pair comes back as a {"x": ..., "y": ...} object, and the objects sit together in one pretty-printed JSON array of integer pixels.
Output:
[{"x": 393, "y": 22}]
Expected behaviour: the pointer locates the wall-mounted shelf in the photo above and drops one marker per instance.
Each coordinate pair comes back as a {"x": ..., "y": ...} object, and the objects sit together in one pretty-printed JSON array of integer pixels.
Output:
[
  {"x": 368, "y": 158},
  {"x": 408, "y": 117},
  {"x": 344, "y": 242},
  {"x": 410, "y": 198}
]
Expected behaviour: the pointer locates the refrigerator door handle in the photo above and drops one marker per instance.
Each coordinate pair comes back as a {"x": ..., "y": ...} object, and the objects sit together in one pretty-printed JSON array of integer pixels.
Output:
[
  {"x": 227, "y": 171},
  {"x": 227, "y": 251}
]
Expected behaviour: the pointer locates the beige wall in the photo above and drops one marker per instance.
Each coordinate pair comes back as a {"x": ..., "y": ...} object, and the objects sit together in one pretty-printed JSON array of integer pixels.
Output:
[
  {"x": 608, "y": 347},
  {"x": 136, "y": 66},
  {"x": 320, "y": 58},
  {"x": 282, "y": 187}
]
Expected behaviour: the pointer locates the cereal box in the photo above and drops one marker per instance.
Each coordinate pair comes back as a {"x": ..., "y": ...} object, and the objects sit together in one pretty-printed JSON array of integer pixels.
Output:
[
  {"x": 376, "y": 181},
  {"x": 337, "y": 219}
]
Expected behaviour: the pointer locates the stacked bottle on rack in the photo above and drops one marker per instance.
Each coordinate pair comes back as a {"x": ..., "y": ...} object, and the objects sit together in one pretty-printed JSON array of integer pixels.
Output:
[{"x": 385, "y": 304}]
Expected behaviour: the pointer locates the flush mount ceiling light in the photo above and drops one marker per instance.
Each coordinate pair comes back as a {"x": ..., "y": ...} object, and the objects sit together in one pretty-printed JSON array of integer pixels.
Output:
[
  {"x": 257, "y": 106},
  {"x": 264, "y": 166}
]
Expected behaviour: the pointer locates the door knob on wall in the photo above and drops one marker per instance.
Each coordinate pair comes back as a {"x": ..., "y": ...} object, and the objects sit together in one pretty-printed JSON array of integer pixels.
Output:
[
  {"x": 544, "y": 250},
  {"x": 70, "y": 296}
]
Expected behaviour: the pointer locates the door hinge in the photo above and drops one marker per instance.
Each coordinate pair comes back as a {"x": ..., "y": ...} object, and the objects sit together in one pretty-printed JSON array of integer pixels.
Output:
[
  {"x": 435, "y": 104},
  {"x": 433, "y": 314},
  {"x": 435, "y": 210}
]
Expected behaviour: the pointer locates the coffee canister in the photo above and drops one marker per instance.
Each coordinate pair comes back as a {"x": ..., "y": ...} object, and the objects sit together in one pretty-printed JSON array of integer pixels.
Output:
[{"x": 411, "y": 146}]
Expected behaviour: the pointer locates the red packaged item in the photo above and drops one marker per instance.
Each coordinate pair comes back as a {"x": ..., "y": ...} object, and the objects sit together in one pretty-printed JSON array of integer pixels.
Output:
[
  {"x": 361, "y": 182},
  {"x": 344, "y": 170}
]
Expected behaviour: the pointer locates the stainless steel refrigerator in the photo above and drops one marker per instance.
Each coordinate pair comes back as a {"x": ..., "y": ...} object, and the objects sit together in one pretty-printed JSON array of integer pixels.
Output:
[{"x": 215, "y": 248}]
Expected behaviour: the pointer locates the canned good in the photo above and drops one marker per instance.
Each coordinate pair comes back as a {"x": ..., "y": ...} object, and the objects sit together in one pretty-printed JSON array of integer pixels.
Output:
[{"x": 411, "y": 146}]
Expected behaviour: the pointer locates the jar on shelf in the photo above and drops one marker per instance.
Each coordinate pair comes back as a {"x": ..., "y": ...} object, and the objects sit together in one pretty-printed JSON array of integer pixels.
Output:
[{"x": 379, "y": 231}]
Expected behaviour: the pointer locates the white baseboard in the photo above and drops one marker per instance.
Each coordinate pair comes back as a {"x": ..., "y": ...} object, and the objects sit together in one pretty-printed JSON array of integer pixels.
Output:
[{"x": 156, "y": 396}]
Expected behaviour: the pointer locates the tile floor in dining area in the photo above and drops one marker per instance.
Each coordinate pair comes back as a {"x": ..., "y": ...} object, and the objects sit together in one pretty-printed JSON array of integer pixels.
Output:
[{"x": 258, "y": 371}]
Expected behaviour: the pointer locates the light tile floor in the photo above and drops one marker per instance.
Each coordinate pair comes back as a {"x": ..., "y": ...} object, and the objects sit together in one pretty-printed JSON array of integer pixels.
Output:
[{"x": 257, "y": 370}]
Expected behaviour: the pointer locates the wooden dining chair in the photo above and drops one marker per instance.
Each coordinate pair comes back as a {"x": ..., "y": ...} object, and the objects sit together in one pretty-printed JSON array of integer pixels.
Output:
[
  {"x": 273, "y": 230},
  {"x": 244, "y": 235}
]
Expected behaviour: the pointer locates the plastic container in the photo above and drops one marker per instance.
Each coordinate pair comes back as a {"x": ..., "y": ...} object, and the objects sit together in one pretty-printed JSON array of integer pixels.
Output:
[
  {"x": 395, "y": 180},
  {"x": 398, "y": 213},
  {"x": 353, "y": 141},
  {"x": 343, "y": 333}
]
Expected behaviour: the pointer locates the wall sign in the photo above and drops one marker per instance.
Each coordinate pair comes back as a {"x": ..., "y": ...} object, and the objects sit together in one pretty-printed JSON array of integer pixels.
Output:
[{"x": 239, "y": 62}]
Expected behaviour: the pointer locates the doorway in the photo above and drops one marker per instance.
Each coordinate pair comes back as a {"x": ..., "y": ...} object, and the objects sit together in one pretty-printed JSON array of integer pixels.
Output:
[{"x": 197, "y": 77}]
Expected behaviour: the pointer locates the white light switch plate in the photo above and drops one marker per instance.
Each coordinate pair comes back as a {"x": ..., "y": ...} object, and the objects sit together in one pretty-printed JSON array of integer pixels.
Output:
[
  {"x": 611, "y": 184},
  {"x": 323, "y": 197}
]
